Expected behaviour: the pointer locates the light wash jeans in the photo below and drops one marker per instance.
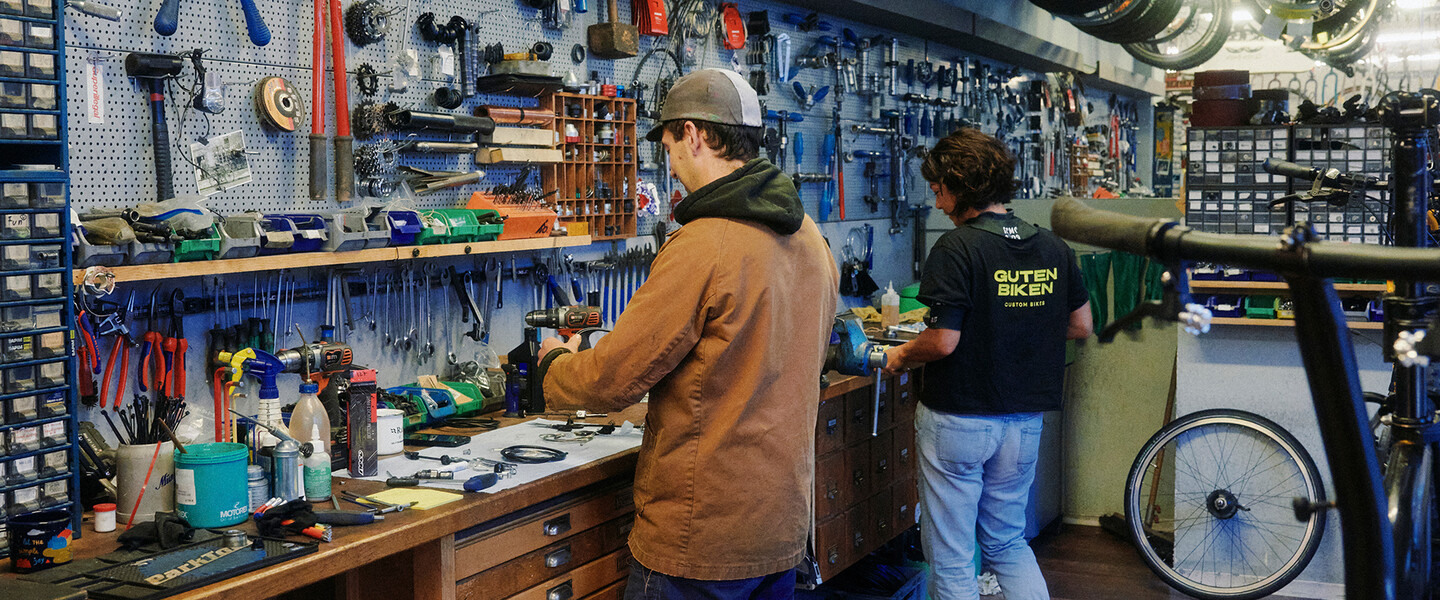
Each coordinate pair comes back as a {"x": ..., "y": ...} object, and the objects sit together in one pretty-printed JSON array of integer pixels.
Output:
[{"x": 977, "y": 470}]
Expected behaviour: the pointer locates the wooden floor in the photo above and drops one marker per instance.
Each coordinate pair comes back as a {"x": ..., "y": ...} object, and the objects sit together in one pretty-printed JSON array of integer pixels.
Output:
[{"x": 1086, "y": 563}]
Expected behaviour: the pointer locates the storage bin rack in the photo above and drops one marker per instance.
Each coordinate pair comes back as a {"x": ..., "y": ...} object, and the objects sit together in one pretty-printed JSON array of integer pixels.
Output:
[
  {"x": 38, "y": 429},
  {"x": 1228, "y": 190},
  {"x": 589, "y": 162}
]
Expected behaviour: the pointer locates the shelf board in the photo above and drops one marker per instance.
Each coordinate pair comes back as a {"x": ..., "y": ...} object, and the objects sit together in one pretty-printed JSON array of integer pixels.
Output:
[
  {"x": 323, "y": 259},
  {"x": 1276, "y": 286},
  {"x": 1285, "y": 323}
]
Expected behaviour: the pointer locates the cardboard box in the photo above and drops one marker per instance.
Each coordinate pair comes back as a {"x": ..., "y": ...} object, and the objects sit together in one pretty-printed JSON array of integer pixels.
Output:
[
  {"x": 519, "y": 136},
  {"x": 490, "y": 156}
]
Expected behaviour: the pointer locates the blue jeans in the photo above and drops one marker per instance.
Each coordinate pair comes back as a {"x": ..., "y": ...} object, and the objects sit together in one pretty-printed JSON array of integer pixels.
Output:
[
  {"x": 975, "y": 476},
  {"x": 645, "y": 584}
]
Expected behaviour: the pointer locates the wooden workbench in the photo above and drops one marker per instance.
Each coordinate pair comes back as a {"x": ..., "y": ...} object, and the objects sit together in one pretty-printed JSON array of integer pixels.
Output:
[{"x": 413, "y": 554}]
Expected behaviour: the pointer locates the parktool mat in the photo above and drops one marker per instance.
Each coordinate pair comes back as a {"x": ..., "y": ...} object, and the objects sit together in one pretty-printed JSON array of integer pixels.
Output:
[
  {"x": 489, "y": 444},
  {"x": 144, "y": 576}
]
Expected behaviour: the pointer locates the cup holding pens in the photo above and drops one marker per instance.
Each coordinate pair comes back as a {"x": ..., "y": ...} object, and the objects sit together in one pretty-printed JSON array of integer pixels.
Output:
[{"x": 134, "y": 476}]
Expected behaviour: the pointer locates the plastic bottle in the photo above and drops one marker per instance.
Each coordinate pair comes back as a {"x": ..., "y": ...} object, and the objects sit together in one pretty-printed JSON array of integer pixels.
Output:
[
  {"x": 310, "y": 416},
  {"x": 317, "y": 470},
  {"x": 889, "y": 307}
]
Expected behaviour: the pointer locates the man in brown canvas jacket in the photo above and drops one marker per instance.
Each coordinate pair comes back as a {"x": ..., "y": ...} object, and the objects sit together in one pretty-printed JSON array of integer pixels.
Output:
[{"x": 728, "y": 336}]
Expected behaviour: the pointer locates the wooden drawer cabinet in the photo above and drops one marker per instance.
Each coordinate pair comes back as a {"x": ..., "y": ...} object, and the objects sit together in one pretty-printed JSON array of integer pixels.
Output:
[
  {"x": 831, "y": 490},
  {"x": 529, "y": 570},
  {"x": 864, "y": 483},
  {"x": 583, "y": 580},
  {"x": 568, "y": 548},
  {"x": 830, "y": 430}
]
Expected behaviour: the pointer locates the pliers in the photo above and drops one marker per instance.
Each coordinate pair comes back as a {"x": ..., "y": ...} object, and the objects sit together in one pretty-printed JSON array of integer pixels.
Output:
[
  {"x": 151, "y": 351},
  {"x": 88, "y": 357},
  {"x": 175, "y": 347},
  {"x": 120, "y": 353}
]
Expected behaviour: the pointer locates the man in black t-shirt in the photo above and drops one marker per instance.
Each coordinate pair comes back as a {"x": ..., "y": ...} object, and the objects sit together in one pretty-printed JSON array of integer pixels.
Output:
[{"x": 1004, "y": 295}]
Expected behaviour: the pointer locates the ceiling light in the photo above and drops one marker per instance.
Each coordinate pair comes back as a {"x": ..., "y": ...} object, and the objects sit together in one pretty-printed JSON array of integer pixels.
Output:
[
  {"x": 1241, "y": 14},
  {"x": 1412, "y": 4}
]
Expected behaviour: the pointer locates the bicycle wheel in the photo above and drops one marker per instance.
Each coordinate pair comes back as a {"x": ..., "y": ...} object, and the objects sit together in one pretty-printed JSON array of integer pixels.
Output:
[
  {"x": 1195, "y": 36},
  {"x": 1208, "y": 504}
]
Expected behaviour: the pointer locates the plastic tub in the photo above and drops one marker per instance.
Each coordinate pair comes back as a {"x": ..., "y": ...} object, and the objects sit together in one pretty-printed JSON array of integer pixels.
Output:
[
  {"x": 91, "y": 255},
  {"x": 145, "y": 254},
  {"x": 240, "y": 236},
  {"x": 347, "y": 231},
  {"x": 132, "y": 464},
  {"x": 40, "y": 540},
  {"x": 310, "y": 232},
  {"x": 404, "y": 225},
  {"x": 211, "y": 484},
  {"x": 277, "y": 234},
  {"x": 201, "y": 249}
]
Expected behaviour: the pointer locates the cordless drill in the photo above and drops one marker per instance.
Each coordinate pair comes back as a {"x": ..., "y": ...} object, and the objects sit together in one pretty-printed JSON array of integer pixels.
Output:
[{"x": 568, "y": 321}]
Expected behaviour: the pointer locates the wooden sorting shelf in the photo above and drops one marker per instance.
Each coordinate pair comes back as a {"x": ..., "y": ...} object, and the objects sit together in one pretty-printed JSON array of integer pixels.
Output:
[
  {"x": 578, "y": 178},
  {"x": 1285, "y": 322},
  {"x": 1275, "y": 286},
  {"x": 324, "y": 259}
]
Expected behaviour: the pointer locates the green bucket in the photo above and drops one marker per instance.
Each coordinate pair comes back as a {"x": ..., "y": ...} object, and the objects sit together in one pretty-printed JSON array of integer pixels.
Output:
[
  {"x": 210, "y": 484},
  {"x": 907, "y": 298}
]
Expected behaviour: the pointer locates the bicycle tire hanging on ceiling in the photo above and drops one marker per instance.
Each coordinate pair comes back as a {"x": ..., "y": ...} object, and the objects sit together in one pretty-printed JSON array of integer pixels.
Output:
[
  {"x": 1128, "y": 21},
  {"x": 1070, "y": 7},
  {"x": 1193, "y": 37}
]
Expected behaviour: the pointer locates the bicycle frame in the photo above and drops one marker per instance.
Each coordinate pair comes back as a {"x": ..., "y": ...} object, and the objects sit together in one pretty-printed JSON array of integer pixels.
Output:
[{"x": 1386, "y": 521}]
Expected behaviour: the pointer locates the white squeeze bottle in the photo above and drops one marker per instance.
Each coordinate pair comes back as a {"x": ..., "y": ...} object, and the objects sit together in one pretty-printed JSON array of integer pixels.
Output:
[
  {"x": 889, "y": 307},
  {"x": 317, "y": 469}
]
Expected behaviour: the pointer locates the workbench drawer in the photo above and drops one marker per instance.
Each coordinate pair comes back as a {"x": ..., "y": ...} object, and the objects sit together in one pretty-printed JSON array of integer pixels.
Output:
[
  {"x": 905, "y": 394},
  {"x": 831, "y": 545},
  {"x": 882, "y": 516},
  {"x": 584, "y": 580},
  {"x": 831, "y": 490},
  {"x": 904, "y": 496},
  {"x": 547, "y": 563},
  {"x": 486, "y": 548},
  {"x": 859, "y": 479},
  {"x": 903, "y": 458},
  {"x": 882, "y": 460},
  {"x": 858, "y": 408},
  {"x": 830, "y": 426},
  {"x": 614, "y": 591}
]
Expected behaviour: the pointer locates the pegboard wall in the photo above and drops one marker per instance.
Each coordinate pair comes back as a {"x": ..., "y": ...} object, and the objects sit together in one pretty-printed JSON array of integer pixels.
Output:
[{"x": 112, "y": 162}]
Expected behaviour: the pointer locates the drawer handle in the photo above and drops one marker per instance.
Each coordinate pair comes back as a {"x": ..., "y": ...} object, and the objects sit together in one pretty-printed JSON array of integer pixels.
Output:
[
  {"x": 834, "y": 556},
  {"x": 557, "y": 525},
  {"x": 558, "y": 558},
  {"x": 858, "y": 415},
  {"x": 831, "y": 426},
  {"x": 563, "y": 591},
  {"x": 831, "y": 491},
  {"x": 859, "y": 476},
  {"x": 882, "y": 526},
  {"x": 904, "y": 455},
  {"x": 859, "y": 540},
  {"x": 883, "y": 466}
]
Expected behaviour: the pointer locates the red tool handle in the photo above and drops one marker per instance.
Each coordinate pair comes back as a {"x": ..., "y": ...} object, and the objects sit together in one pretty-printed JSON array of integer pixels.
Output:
[
  {"x": 840, "y": 176},
  {"x": 124, "y": 373},
  {"x": 177, "y": 371},
  {"x": 110, "y": 368}
]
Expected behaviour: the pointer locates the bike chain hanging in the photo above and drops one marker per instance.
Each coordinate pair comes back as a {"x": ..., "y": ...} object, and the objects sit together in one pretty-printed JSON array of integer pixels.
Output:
[
  {"x": 366, "y": 22},
  {"x": 368, "y": 120}
]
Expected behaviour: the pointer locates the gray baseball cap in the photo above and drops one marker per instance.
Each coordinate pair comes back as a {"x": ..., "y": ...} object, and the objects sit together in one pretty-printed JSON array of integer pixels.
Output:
[{"x": 715, "y": 95}]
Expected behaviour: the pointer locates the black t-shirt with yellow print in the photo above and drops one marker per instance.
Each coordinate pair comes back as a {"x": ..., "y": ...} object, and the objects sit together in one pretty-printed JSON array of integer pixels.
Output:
[{"x": 1008, "y": 287}]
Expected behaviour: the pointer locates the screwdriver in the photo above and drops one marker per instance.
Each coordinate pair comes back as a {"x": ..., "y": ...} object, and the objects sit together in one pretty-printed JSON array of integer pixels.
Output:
[{"x": 346, "y": 517}]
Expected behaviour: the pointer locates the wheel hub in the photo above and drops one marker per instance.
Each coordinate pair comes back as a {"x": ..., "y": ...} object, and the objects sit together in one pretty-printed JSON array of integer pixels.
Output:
[{"x": 1222, "y": 504}]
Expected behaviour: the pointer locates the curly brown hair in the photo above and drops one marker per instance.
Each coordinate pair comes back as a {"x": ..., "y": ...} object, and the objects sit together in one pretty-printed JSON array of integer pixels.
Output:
[{"x": 975, "y": 167}]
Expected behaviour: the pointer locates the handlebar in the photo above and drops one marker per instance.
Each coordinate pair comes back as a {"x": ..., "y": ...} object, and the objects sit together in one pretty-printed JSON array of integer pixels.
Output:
[{"x": 1171, "y": 242}]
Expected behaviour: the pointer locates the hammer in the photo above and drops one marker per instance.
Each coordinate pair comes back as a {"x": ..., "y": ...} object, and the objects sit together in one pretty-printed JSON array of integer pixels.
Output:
[{"x": 153, "y": 69}]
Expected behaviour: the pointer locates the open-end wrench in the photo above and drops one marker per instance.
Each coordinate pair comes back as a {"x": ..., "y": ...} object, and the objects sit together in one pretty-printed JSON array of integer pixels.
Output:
[
  {"x": 495, "y": 271},
  {"x": 461, "y": 283},
  {"x": 445, "y": 309},
  {"x": 429, "y": 314}
]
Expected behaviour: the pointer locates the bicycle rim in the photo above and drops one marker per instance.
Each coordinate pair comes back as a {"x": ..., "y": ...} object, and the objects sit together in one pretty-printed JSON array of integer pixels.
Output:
[
  {"x": 1195, "y": 36},
  {"x": 1222, "y": 525}
]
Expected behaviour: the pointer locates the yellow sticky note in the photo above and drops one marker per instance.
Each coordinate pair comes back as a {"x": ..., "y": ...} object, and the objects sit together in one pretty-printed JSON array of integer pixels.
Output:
[{"x": 425, "y": 498}]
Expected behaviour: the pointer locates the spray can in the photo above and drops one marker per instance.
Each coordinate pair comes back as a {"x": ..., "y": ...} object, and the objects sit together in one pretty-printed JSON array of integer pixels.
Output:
[{"x": 258, "y": 488}]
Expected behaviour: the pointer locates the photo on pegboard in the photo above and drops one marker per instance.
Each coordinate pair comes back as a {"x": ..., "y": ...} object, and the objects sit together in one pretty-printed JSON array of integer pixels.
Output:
[{"x": 220, "y": 164}]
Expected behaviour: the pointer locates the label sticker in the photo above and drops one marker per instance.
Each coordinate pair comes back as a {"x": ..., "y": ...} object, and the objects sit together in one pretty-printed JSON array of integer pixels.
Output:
[
  {"x": 185, "y": 486},
  {"x": 94, "y": 91}
]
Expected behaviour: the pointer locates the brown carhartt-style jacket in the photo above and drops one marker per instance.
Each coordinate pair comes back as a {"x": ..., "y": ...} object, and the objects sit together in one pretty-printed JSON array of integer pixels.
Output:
[{"x": 728, "y": 336}]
